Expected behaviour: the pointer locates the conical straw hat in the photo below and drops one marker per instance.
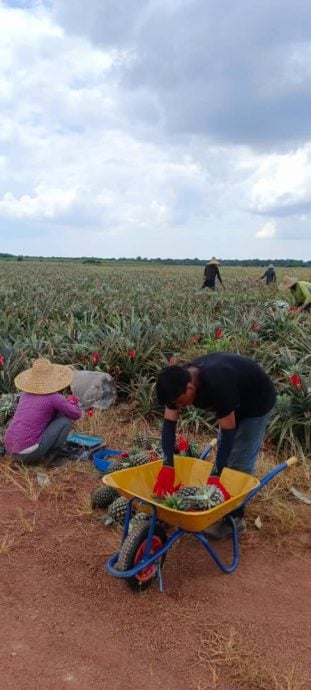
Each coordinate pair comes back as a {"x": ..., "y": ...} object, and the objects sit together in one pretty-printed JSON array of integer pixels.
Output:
[
  {"x": 288, "y": 282},
  {"x": 213, "y": 260},
  {"x": 44, "y": 377}
]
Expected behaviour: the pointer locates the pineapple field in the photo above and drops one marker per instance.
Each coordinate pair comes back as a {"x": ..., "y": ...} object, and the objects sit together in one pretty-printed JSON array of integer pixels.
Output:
[
  {"x": 65, "y": 622},
  {"x": 131, "y": 320}
]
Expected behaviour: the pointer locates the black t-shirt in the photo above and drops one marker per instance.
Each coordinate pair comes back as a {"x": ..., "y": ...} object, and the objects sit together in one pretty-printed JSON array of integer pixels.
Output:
[
  {"x": 210, "y": 272},
  {"x": 229, "y": 382}
]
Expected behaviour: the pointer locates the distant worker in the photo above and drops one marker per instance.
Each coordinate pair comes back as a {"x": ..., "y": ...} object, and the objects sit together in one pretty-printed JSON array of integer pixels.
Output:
[
  {"x": 300, "y": 290},
  {"x": 211, "y": 271},
  {"x": 269, "y": 275}
]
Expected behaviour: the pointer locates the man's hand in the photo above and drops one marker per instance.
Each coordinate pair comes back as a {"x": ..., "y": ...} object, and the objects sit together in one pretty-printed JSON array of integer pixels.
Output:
[{"x": 165, "y": 482}]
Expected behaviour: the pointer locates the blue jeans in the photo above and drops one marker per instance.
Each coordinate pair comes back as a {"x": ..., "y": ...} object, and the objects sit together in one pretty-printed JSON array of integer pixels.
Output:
[{"x": 247, "y": 443}]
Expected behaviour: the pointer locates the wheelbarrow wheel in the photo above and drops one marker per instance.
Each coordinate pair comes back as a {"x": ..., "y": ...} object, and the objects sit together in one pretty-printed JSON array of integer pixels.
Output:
[{"x": 132, "y": 551}]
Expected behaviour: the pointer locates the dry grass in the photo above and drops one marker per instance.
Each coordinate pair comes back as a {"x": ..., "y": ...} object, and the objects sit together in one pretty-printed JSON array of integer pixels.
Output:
[
  {"x": 7, "y": 543},
  {"x": 116, "y": 426},
  {"x": 224, "y": 654},
  {"x": 22, "y": 479},
  {"x": 14, "y": 529},
  {"x": 82, "y": 507},
  {"x": 281, "y": 514}
]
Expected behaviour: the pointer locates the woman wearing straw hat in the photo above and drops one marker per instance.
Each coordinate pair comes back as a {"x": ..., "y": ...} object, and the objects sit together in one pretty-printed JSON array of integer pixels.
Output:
[
  {"x": 211, "y": 271},
  {"x": 43, "y": 417},
  {"x": 300, "y": 290}
]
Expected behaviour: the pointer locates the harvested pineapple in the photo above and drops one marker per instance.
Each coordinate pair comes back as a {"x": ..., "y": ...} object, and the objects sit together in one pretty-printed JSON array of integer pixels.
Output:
[
  {"x": 117, "y": 509},
  {"x": 103, "y": 496},
  {"x": 195, "y": 498}
]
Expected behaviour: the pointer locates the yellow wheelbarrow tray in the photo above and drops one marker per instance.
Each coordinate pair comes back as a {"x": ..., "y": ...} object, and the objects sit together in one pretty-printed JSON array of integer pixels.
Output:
[{"x": 140, "y": 567}]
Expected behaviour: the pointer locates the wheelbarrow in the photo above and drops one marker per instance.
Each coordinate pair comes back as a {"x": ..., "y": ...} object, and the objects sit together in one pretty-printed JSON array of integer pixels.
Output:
[{"x": 143, "y": 549}]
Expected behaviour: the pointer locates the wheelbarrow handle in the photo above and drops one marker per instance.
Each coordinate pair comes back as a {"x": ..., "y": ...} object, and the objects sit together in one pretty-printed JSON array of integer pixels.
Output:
[
  {"x": 270, "y": 475},
  {"x": 292, "y": 461},
  {"x": 208, "y": 449}
]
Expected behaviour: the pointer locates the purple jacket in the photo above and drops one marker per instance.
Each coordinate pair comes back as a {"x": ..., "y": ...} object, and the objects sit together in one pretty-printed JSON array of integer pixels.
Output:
[{"x": 34, "y": 413}]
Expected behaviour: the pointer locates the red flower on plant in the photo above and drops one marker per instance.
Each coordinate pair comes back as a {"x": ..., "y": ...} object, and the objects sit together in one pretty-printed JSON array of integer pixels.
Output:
[
  {"x": 195, "y": 338},
  {"x": 95, "y": 357},
  {"x": 132, "y": 354},
  {"x": 171, "y": 360},
  {"x": 90, "y": 413},
  {"x": 293, "y": 308},
  {"x": 255, "y": 326},
  {"x": 2, "y": 360},
  {"x": 295, "y": 380},
  {"x": 219, "y": 333}
]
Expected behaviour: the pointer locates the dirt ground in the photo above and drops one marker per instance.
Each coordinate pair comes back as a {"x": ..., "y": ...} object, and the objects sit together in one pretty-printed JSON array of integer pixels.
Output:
[{"x": 67, "y": 624}]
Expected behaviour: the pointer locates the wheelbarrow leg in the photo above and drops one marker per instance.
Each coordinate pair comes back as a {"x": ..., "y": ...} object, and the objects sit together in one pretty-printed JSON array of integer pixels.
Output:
[{"x": 200, "y": 536}]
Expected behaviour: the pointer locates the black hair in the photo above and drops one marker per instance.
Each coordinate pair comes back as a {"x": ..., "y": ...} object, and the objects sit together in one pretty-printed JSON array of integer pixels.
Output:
[{"x": 172, "y": 382}]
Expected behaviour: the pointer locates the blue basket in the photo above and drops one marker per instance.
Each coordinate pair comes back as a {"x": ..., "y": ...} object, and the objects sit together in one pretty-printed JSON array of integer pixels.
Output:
[
  {"x": 84, "y": 440},
  {"x": 101, "y": 461}
]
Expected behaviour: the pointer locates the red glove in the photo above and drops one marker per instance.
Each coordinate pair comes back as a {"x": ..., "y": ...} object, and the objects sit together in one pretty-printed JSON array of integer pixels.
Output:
[
  {"x": 165, "y": 482},
  {"x": 73, "y": 399},
  {"x": 214, "y": 481}
]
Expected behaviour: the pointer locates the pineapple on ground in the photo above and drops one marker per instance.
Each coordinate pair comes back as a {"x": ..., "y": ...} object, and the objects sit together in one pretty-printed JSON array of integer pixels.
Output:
[
  {"x": 117, "y": 465},
  {"x": 137, "y": 520},
  {"x": 117, "y": 509},
  {"x": 137, "y": 458},
  {"x": 103, "y": 496}
]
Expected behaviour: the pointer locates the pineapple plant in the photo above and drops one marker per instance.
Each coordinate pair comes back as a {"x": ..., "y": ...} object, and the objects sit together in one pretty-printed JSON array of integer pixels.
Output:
[
  {"x": 194, "y": 449},
  {"x": 103, "y": 496},
  {"x": 2, "y": 448},
  {"x": 8, "y": 405}
]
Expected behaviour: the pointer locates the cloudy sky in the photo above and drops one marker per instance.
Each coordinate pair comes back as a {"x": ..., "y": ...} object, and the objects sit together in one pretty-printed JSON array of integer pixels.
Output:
[{"x": 156, "y": 128}]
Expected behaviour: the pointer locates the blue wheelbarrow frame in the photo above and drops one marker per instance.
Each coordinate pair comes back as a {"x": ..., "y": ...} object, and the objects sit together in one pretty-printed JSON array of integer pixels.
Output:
[{"x": 151, "y": 558}]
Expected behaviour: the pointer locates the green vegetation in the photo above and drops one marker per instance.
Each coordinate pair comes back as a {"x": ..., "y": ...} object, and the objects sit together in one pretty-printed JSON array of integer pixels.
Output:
[{"x": 133, "y": 320}]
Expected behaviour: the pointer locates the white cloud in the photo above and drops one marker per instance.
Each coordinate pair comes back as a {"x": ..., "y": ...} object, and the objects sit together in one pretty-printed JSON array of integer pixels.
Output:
[
  {"x": 267, "y": 231},
  {"x": 283, "y": 183},
  {"x": 83, "y": 150},
  {"x": 45, "y": 204}
]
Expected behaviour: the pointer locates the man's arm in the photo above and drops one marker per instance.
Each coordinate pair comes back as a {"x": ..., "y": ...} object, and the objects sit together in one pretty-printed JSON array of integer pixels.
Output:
[
  {"x": 227, "y": 426},
  {"x": 218, "y": 274},
  {"x": 227, "y": 423},
  {"x": 305, "y": 292},
  {"x": 169, "y": 435},
  {"x": 165, "y": 480}
]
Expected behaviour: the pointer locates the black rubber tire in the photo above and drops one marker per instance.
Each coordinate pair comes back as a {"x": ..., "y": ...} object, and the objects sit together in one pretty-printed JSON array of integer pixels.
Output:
[
  {"x": 103, "y": 496},
  {"x": 129, "y": 550}
]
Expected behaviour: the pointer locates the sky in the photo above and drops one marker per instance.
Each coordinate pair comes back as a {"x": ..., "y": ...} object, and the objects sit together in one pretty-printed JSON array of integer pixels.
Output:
[{"x": 155, "y": 128}]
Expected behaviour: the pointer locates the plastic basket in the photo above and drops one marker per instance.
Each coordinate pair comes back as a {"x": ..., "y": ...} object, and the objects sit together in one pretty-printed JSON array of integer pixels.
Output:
[{"x": 101, "y": 458}]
